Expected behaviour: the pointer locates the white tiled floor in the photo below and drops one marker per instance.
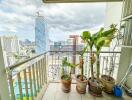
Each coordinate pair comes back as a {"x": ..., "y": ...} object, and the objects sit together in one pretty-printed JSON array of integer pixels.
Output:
[{"x": 54, "y": 92}]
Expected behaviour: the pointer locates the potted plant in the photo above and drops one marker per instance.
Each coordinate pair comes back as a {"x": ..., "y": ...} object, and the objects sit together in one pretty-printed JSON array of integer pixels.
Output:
[
  {"x": 94, "y": 85},
  {"x": 66, "y": 76},
  {"x": 81, "y": 79},
  {"x": 98, "y": 40},
  {"x": 108, "y": 81}
]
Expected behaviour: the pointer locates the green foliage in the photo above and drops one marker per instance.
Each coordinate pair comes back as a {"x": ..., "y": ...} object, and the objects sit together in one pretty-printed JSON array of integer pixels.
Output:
[
  {"x": 66, "y": 77},
  {"x": 85, "y": 35},
  {"x": 65, "y": 63},
  {"x": 102, "y": 38},
  {"x": 99, "y": 39}
]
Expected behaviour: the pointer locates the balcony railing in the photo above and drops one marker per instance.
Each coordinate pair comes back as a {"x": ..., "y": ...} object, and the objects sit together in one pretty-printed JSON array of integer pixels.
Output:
[
  {"x": 28, "y": 79},
  {"x": 108, "y": 61}
]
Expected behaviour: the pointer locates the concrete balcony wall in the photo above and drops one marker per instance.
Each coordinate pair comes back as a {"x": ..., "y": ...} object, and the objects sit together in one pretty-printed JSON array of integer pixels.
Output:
[
  {"x": 113, "y": 13},
  {"x": 125, "y": 61}
]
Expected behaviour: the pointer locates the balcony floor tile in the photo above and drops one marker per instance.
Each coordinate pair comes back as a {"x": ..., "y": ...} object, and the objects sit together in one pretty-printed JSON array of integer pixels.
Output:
[{"x": 54, "y": 92}]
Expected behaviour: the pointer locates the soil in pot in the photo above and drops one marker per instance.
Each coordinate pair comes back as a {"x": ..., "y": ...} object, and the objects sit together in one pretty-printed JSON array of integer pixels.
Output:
[
  {"x": 108, "y": 83},
  {"x": 95, "y": 87},
  {"x": 66, "y": 83},
  {"x": 81, "y": 84}
]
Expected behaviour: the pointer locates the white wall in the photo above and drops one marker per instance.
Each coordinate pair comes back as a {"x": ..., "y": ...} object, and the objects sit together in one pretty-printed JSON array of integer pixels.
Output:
[{"x": 113, "y": 13}]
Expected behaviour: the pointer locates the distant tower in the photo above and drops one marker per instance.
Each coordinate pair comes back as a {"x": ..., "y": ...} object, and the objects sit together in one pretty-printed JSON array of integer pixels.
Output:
[{"x": 41, "y": 37}]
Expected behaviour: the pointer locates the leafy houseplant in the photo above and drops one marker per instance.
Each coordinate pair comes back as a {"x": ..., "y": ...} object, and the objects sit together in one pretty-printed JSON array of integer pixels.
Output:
[
  {"x": 66, "y": 76},
  {"x": 104, "y": 40},
  {"x": 98, "y": 40},
  {"x": 81, "y": 79}
]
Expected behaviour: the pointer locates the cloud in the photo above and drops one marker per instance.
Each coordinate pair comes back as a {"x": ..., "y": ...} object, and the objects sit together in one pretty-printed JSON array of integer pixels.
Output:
[{"x": 18, "y": 17}]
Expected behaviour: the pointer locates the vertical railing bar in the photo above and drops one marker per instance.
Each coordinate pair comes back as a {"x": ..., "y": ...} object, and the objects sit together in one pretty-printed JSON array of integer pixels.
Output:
[
  {"x": 20, "y": 86},
  {"x": 55, "y": 60},
  {"x": 39, "y": 70},
  {"x": 11, "y": 87},
  {"x": 34, "y": 80},
  {"x": 103, "y": 58},
  {"x": 30, "y": 82},
  {"x": 42, "y": 66},
  {"x": 26, "y": 84},
  {"x": 45, "y": 68},
  {"x": 59, "y": 67},
  {"x": 52, "y": 66},
  {"x": 106, "y": 64},
  {"x": 46, "y": 64},
  {"x": 37, "y": 76}
]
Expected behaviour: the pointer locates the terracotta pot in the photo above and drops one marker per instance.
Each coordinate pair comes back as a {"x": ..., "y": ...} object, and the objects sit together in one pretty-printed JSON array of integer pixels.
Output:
[
  {"x": 95, "y": 87},
  {"x": 66, "y": 85},
  {"x": 81, "y": 85},
  {"x": 108, "y": 83}
]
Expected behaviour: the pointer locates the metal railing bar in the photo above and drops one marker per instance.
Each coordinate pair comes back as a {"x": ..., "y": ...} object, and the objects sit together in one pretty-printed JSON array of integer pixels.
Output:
[
  {"x": 34, "y": 80},
  {"x": 30, "y": 82},
  {"x": 37, "y": 76},
  {"x": 89, "y": 51},
  {"x": 27, "y": 60},
  {"x": 26, "y": 84},
  {"x": 11, "y": 87},
  {"x": 20, "y": 86}
]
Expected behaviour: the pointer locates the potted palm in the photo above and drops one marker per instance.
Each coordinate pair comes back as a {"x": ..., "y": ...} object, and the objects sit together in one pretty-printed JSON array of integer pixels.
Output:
[
  {"x": 66, "y": 76},
  {"x": 107, "y": 81},
  {"x": 81, "y": 79},
  {"x": 94, "y": 85},
  {"x": 97, "y": 40}
]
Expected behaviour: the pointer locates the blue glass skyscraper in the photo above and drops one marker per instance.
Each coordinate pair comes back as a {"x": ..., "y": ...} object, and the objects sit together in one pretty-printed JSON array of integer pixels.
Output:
[{"x": 41, "y": 37}]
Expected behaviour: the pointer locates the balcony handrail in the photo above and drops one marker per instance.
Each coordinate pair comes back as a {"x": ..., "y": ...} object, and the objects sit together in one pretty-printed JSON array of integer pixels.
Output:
[
  {"x": 11, "y": 67},
  {"x": 86, "y": 52}
]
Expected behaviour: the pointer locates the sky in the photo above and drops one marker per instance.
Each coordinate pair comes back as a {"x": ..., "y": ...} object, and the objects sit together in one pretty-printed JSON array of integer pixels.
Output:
[{"x": 17, "y": 17}]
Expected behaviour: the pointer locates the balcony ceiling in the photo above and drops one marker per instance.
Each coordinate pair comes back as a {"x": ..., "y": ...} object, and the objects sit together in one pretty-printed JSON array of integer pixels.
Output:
[{"x": 72, "y": 1}]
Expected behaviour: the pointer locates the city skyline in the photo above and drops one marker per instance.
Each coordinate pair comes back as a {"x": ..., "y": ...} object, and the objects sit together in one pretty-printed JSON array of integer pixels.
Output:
[{"x": 18, "y": 18}]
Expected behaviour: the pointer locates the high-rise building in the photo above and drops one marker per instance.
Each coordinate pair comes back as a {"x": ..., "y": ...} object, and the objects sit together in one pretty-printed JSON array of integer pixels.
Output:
[
  {"x": 41, "y": 36},
  {"x": 10, "y": 47}
]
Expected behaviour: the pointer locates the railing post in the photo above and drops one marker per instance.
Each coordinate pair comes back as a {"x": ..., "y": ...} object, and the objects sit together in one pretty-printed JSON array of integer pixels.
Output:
[
  {"x": 11, "y": 86},
  {"x": 34, "y": 79},
  {"x": 4, "y": 92},
  {"x": 30, "y": 82},
  {"x": 26, "y": 84},
  {"x": 46, "y": 64}
]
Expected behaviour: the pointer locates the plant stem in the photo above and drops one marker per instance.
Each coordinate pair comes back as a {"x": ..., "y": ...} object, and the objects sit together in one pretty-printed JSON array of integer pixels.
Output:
[
  {"x": 91, "y": 64},
  {"x": 81, "y": 66},
  {"x": 98, "y": 65}
]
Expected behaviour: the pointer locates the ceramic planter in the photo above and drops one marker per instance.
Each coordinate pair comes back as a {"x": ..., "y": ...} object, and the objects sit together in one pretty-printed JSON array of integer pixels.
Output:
[
  {"x": 81, "y": 85},
  {"x": 66, "y": 85},
  {"x": 95, "y": 87},
  {"x": 108, "y": 83}
]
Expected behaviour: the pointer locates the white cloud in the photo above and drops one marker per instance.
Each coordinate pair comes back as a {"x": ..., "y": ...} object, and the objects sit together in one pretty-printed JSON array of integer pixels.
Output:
[{"x": 18, "y": 16}]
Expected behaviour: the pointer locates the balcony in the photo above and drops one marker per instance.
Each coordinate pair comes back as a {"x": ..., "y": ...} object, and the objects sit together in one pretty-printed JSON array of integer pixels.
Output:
[{"x": 38, "y": 78}]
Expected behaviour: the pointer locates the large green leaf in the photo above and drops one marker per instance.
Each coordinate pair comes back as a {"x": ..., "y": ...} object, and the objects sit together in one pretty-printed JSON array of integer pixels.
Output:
[
  {"x": 100, "y": 42},
  {"x": 85, "y": 35},
  {"x": 66, "y": 63},
  {"x": 109, "y": 32}
]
